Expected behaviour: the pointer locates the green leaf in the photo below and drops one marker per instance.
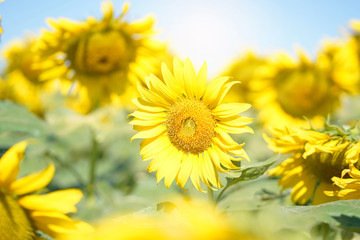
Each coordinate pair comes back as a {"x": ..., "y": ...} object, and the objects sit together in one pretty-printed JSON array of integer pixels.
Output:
[
  {"x": 251, "y": 172},
  {"x": 349, "y": 223},
  {"x": 343, "y": 214},
  {"x": 248, "y": 173},
  {"x": 16, "y": 118}
]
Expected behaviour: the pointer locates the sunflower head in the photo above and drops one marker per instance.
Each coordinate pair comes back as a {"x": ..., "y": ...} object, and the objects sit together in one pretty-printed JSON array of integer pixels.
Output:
[
  {"x": 101, "y": 52},
  {"x": 317, "y": 155},
  {"x": 107, "y": 56},
  {"x": 185, "y": 124},
  {"x": 296, "y": 90},
  {"x": 22, "y": 213}
]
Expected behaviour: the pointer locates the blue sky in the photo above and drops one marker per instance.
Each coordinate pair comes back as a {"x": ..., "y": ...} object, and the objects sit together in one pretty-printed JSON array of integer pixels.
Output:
[{"x": 208, "y": 30}]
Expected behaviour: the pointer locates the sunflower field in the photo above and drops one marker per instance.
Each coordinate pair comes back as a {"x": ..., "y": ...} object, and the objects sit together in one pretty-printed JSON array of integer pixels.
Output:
[{"x": 109, "y": 132}]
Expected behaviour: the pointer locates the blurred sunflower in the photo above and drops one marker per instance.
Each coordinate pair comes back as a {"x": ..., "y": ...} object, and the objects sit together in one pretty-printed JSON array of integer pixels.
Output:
[
  {"x": 317, "y": 157},
  {"x": 107, "y": 56},
  {"x": 22, "y": 215},
  {"x": 350, "y": 186},
  {"x": 22, "y": 82},
  {"x": 340, "y": 60},
  {"x": 294, "y": 90},
  {"x": 245, "y": 70},
  {"x": 185, "y": 126},
  {"x": 191, "y": 220}
]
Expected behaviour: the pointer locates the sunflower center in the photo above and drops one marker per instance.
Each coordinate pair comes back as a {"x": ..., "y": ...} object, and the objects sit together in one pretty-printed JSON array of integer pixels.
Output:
[
  {"x": 304, "y": 92},
  {"x": 102, "y": 52},
  {"x": 14, "y": 222},
  {"x": 191, "y": 126},
  {"x": 188, "y": 127},
  {"x": 326, "y": 165}
]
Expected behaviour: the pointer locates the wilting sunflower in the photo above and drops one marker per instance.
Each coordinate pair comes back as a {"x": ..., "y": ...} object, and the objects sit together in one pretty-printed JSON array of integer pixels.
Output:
[
  {"x": 317, "y": 156},
  {"x": 245, "y": 69},
  {"x": 22, "y": 83},
  {"x": 107, "y": 56},
  {"x": 185, "y": 125},
  {"x": 23, "y": 213},
  {"x": 294, "y": 90}
]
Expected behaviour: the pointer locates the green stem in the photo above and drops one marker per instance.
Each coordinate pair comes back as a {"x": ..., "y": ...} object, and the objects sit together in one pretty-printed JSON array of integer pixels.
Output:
[
  {"x": 210, "y": 195},
  {"x": 74, "y": 172},
  {"x": 221, "y": 193},
  {"x": 94, "y": 158}
]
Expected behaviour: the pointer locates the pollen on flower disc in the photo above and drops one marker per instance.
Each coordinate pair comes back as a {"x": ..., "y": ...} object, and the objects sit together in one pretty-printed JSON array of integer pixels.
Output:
[
  {"x": 14, "y": 222},
  {"x": 191, "y": 126}
]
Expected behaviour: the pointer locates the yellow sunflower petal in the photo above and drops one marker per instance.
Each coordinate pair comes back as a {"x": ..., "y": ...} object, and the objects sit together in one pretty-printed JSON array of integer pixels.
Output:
[
  {"x": 320, "y": 196},
  {"x": 54, "y": 224},
  {"x": 170, "y": 165},
  {"x": 33, "y": 182},
  {"x": 10, "y": 164},
  {"x": 59, "y": 201},
  {"x": 173, "y": 167},
  {"x": 150, "y": 133},
  {"x": 179, "y": 74},
  {"x": 147, "y": 106},
  {"x": 185, "y": 170},
  {"x": 195, "y": 173},
  {"x": 215, "y": 158},
  {"x": 151, "y": 96},
  {"x": 201, "y": 81},
  {"x": 165, "y": 91},
  {"x": 222, "y": 92},
  {"x": 230, "y": 109},
  {"x": 212, "y": 90},
  {"x": 170, "y": 80},
  {"x": 235, "y": 129},
  {"x": 150, "y": 144},
  {"x": 189, "y": 78}
]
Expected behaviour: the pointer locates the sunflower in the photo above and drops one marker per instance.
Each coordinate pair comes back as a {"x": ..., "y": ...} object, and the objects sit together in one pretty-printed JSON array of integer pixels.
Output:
[
  {"x": 22, "y": 83},
  {"x": 245, "y": 69},
  {"x": 294, "y": 90},
  {"x": 340, "y": 59},
  {"x": 185, "y": 125},
  {"x": 192, "y": 220},
  {"x": 22, "y": 214},
  {"x": 317, "y": 156},
  {"x": 107, "y": 56}
]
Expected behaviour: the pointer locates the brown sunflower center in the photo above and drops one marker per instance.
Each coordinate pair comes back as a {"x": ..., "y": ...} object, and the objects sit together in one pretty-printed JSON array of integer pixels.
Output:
[
  {"x": 326, "y": 165},
  {"x": 14, "y": 222},
  {"x": 304, "y": 92},
  {"x": 102, "y": 52},
  {"x": 191, "y": 126}
]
